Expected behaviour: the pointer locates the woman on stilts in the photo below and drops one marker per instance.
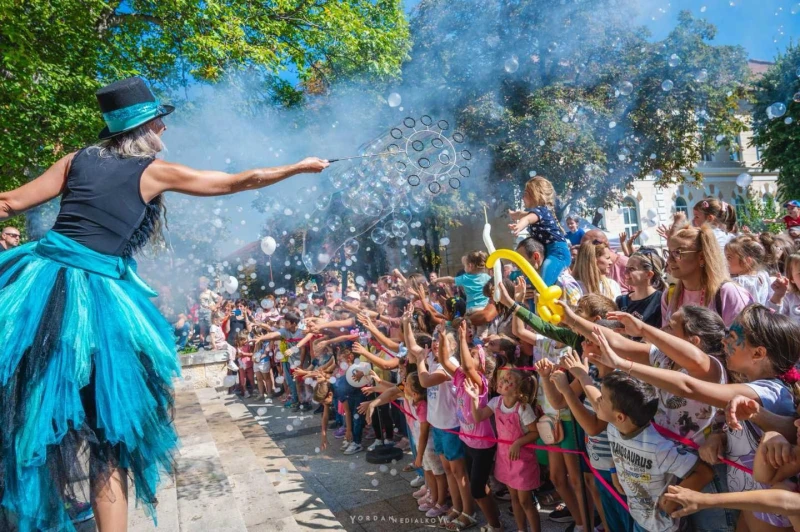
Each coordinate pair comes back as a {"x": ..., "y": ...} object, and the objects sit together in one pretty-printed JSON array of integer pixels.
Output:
[{"x": 86, "y": 360}]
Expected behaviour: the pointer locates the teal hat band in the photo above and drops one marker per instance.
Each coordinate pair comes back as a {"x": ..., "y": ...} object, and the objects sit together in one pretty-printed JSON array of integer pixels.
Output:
[{"x": 131, "y": 116}]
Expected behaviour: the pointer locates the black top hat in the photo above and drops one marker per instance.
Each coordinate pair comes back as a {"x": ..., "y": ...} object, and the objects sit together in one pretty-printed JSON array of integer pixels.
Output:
[{"x": 127, "y": 104}]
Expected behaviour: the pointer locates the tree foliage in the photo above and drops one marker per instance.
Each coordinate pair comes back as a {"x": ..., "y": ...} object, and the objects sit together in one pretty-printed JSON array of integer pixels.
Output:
[
  {"x": 56, "y": 53},
  {"x": 779, "y": 137},
  {"x": 541, "y": 88}
]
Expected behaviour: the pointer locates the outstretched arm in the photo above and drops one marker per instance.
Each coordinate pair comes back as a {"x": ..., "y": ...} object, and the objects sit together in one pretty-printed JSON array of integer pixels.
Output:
[
  {"x": 162, "y": 176},
  {"x": 42, "y": 189},
  {"x": 774, "y": 501}
]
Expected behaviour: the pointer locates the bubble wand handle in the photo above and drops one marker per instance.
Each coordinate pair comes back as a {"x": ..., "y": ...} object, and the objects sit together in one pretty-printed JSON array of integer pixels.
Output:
[
  {"x": 498, "y": 268},
  {"x": 360, "y": 156},
  {"x": 545, "y": 306}
]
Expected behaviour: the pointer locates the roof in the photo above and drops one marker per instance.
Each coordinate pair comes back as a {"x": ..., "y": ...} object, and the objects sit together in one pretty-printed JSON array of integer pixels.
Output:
[{"x": 757, "y": 67}]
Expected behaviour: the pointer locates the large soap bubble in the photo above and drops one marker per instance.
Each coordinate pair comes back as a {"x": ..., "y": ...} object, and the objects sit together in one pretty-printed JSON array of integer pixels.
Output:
[
  {"x": 625, "y": 88},
  {"x": 744, "y": 179}
]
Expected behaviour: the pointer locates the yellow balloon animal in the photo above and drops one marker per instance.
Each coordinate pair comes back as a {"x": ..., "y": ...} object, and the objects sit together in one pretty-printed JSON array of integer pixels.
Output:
[{"x": 545, "y": 305}]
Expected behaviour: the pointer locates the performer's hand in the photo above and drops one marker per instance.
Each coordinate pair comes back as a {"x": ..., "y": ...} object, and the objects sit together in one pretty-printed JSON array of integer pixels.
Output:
[{"x": 313, "y": 165}]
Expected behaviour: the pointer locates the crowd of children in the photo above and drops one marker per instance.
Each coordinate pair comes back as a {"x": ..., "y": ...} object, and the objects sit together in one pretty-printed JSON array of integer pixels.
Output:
[{"x": 664, "y": 400}]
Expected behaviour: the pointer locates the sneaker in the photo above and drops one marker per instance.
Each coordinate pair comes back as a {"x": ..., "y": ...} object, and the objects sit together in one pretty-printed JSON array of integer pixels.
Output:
[
  {"x": 247, "y": 395},
  {"x": 437, "y": 510},
  {"x": 375, "y": 445},
  {"x": 345, "y": 445},
  {"x": 290, "y": 404},
  {"x": 267, "y": 400},
  {"x": 420, "y": 493},
  {"x": 561, "y": 514},
  {"x": 419, "y": 481},
  {"x": 79, "y": 512},
  {"x": 354, "y": 448},
  {"x": 425, "y": 504},
  {"x": 340, "y": 432}
]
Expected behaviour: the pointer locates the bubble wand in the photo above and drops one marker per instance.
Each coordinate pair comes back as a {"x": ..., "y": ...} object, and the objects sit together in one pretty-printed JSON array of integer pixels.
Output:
[
  {"x": 498, "y": 268},
  {"x": 360, "y": 156}
]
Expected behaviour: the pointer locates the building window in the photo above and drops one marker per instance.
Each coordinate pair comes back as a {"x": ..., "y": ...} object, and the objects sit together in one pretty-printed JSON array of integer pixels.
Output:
[
  {"x": 758, "y": 153},
  {"x": 741, "y": 206},
  {"x": 736, "y": 154},
  {"x": 681, "y": 206},
  {"x": 630, "y": 216}
]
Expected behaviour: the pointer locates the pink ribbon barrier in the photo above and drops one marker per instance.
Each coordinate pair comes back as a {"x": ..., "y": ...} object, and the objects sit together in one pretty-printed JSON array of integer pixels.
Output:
[{"x": 552, "y": 448}]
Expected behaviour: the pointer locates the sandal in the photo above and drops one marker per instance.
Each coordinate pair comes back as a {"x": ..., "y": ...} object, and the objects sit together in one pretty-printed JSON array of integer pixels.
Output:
[
  {"x": 409, "y": 467},
  {"x": 447, "y": 518},
  {"x": 489, "y": 528},
  {"x": 458, "y": 524}
]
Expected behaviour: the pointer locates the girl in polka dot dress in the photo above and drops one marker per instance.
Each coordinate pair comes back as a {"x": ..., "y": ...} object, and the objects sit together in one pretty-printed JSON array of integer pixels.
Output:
[{"x": 540, "y": 220}]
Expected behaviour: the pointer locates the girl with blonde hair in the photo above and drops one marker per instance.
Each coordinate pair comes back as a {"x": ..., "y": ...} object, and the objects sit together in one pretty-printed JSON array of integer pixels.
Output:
[
  {"x": 721, "y": 216},
  {"x": 591, "y": 269},
  {"x": 695, "y": 259}
]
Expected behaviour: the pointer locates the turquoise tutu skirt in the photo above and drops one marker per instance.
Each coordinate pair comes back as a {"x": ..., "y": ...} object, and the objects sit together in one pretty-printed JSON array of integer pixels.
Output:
[{"x": 86, "y": 369}]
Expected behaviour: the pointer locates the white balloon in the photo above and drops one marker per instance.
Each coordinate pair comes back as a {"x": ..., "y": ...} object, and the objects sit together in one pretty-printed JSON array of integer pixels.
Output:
[
  {"x": 230, "y": 284},
  {"x": 268, "y": 245},
  {"x": 651, "y": 213},
  {"x": 744, "y": 179}
]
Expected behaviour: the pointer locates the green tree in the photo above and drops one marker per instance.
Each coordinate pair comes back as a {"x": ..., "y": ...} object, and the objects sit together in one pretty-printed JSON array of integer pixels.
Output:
[
  {"x": 756, "y": 209},
  {"x": 543, "y": 88},
  {"x": 56, "y": 53},
  {"x": 779, "y": 137}
]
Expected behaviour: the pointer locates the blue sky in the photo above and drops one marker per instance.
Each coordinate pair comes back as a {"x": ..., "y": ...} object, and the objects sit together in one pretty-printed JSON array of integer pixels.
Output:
[{"x": 763, "y": 27}]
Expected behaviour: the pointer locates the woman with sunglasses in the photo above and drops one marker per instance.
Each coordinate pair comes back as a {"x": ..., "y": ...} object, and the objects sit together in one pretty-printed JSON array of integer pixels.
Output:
[
  {"x": 644, "y": 274},
  {"x": 695, "y": 260}
]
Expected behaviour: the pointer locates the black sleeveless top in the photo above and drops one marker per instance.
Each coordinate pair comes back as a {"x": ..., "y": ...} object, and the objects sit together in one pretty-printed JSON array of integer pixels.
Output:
[{"x": 102, "y": 206}]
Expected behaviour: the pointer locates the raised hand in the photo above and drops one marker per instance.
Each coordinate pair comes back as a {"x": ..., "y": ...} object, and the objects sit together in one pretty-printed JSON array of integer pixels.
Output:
[
  {"x": 635, "y": 235},
  {"x": 777, "y": 451},
  {"x": 505, "y": 298},
  {"x": 608, "y": 357},
  {"x": 408, "y": 314},
  {"x": 471, "y": 389},
  {"x": 780, "y": 286},
  {"x": 520, "y": 289},
  {"x": 544, "y": 368},
  {"x": 740, "y": 408},
  {"x": 572, "y": 363},
  {"x": 519, "y": 226},
  {"x": 559, "y": 379},
  {"x": 365, "y": 320},
  {"x": 633, "y": 325}
]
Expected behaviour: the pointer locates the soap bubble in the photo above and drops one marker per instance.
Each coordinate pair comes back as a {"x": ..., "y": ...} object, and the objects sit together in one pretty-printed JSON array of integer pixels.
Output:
[
  {"x": 267, "y": 303},
  {"x": 384, "y": 468},
  {"x": 393, "y": 472},
  {"x": 289, "y": 428},
  {"x": 776, "y": 110},
  {"x": 334, "y": 223},
  {"x": 351, "y": 246},
  {"x": 284, "y": 471},
  {"x": 279, "y": 379},
  {"x": 296, "y": 422},
  {"x": 674, "y": 60},
  {"x": 360, "y": 281},
  {"x": 625, "y": 88},
  {"x": 352, "y": 465},
  {"x": 666, "y": 85},
  {"x": 394, "y": 99},
  {"x": 701, "y": 75},
  {"x": 511, "y": 65},
  {"x": 375, "y": 482},
  {"x": 379, "y": 235},
  {"x": 317, "y": 450},
  {"x": 323, "y": 202},
  {"x": 444, "y": 241},
  {"x": 601, "y": 210},
  {"x": 612, "y": 125},
  {"x": 261, "y": 411},
  {"x": 287, "y": 211},
  {"x": 796, "y": 97},
  {"x": 788, "y": 120},
  {"x": 744, "y": 179},
  {"x": 399, "y": 228}
]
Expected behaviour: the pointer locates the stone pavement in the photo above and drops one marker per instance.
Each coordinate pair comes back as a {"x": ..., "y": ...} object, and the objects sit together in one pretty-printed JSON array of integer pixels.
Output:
[{"x": 255, "y": 467}]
